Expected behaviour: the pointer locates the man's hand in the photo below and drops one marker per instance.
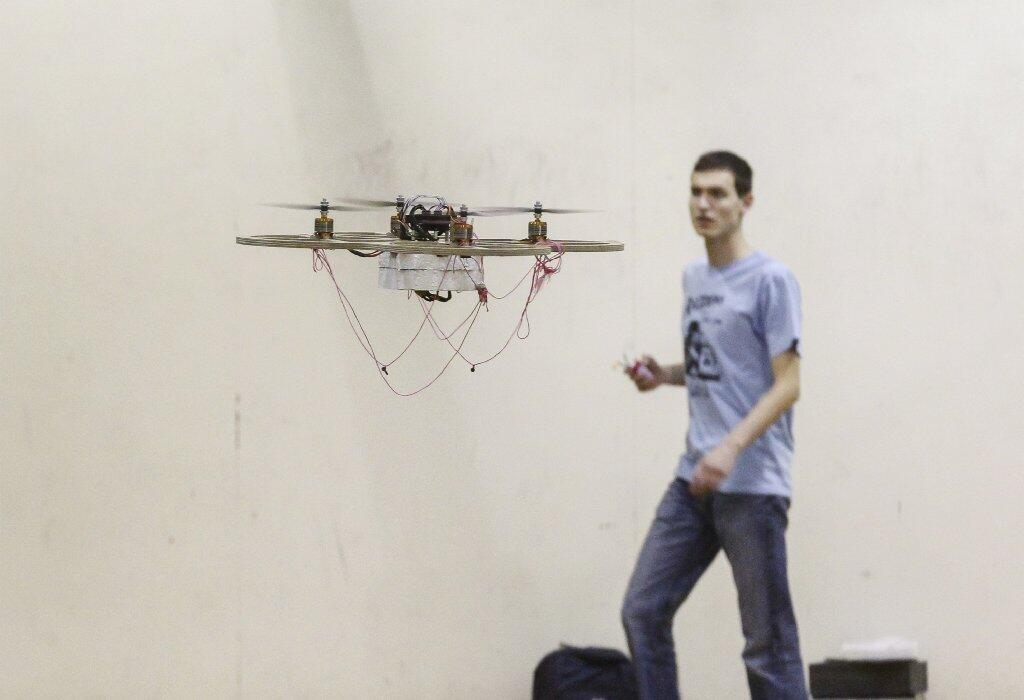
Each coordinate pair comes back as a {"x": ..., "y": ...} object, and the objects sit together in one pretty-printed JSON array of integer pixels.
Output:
[
  {"x": 647, "y": 374},
  {"x": 713, "y": 468}
]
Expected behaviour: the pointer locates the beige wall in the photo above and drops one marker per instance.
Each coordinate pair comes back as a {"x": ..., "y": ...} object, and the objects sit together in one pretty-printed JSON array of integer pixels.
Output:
[{"x": 205, "y": 489}]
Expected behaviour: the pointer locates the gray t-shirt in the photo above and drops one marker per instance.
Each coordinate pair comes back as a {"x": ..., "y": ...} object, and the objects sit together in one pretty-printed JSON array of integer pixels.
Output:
[{"x": 736, "y": 318}]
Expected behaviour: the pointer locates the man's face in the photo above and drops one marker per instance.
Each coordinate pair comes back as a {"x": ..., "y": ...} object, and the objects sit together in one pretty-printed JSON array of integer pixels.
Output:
[{"x": 715, "y": 208}]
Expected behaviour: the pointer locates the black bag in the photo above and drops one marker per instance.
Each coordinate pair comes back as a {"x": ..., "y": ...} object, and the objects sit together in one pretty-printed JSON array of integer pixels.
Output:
[{"x": 590, "y": 673}]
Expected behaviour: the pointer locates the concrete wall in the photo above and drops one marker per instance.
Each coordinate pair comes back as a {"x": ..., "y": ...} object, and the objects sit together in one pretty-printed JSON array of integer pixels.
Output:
[{"x": 205, "y": 489}]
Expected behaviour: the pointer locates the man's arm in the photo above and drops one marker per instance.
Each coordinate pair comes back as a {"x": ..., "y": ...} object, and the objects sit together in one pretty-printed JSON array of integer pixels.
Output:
[
  {"x": 780, "y": 398},
  {"x": 669, "y": 374},
  {"x": 784, "y": 392}
]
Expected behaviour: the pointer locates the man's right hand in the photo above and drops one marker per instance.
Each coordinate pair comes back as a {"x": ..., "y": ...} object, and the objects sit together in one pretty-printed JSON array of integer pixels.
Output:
[{"x": 647, "y": 374}]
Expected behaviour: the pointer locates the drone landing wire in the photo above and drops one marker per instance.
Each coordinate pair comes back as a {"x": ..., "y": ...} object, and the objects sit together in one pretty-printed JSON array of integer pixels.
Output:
[
  {"x": 320, "y": 262},
  {"x": 541, "y": 271},
  {"x": 543, "y": 268}
]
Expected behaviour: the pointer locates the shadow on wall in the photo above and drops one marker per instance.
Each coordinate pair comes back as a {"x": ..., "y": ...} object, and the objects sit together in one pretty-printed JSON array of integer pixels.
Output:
[{"x": 332, "y": 93}]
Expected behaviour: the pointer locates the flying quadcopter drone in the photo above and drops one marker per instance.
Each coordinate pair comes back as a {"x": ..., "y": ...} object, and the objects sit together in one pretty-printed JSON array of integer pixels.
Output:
[
  {"x": 431, "y": 248},
  {"x": 425, "y": 232}
]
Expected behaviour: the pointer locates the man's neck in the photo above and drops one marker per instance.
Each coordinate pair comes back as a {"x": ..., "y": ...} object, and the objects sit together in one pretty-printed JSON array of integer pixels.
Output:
[{"x": 727, "y": 249}]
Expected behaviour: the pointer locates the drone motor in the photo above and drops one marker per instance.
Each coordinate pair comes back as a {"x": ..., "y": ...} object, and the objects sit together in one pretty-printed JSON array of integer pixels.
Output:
[
  {"x": 323, "y": 225},
  {"x": 460, "y": 231}
]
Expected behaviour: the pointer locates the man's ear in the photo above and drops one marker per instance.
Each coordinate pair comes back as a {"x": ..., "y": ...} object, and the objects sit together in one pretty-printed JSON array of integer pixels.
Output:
[{"x": 748, "y": 200}]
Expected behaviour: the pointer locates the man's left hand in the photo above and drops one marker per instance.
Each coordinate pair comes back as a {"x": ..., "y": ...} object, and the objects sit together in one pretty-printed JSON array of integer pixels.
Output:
[{"x": 713, "y": 468}]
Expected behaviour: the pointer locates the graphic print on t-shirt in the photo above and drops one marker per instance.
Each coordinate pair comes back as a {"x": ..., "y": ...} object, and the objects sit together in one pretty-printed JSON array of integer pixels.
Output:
[{"x": 701, "y": 361}]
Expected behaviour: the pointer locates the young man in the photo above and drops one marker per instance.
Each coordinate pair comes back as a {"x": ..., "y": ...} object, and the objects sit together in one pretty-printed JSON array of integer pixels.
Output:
[{"x": 741, "y": 368}]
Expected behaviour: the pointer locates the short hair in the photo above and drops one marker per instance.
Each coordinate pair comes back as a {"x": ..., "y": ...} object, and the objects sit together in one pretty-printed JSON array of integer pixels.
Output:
[{"x": 742, "y": 175}]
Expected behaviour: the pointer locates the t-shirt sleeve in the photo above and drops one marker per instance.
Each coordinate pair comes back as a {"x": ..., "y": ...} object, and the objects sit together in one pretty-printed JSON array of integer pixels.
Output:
[{"x": 779, "y": 306}]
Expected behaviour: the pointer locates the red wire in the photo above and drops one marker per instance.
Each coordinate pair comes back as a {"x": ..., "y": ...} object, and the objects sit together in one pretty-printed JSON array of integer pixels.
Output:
[
  {"x": 543, "y": 268},
  {"x": 320, "y": 262}
]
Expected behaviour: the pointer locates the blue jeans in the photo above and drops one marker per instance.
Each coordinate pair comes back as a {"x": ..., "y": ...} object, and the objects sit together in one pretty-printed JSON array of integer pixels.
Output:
[{"x": 685, "y": 536}]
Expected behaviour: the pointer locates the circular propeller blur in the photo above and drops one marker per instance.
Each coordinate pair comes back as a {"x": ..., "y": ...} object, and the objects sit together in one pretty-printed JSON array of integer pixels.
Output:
[
  {"x": 368, "y": 203},
  {"x": 317, "y": 207},
  {"x": 509, "y": 211},
  {"x": 362, "y": 204}
]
